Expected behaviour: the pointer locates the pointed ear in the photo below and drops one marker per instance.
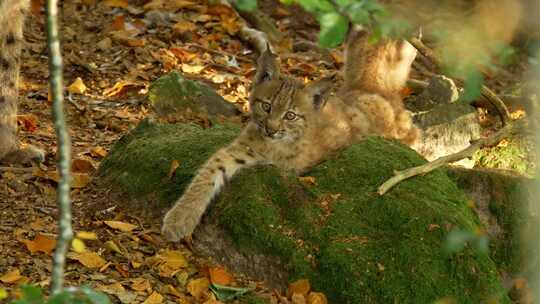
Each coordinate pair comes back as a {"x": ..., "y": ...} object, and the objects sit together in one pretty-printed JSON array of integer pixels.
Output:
[
  {"x": 319, "y": 90},
  {"x": 267, "y": 67}
]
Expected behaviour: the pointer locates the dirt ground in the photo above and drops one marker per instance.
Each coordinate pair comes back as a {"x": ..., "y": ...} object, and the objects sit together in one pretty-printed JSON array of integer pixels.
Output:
[{"x": 117, "y": 48}]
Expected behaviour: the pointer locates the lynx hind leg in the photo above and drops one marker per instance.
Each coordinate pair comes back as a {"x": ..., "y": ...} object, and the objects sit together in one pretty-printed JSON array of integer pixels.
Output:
[
  {"x": 406, "y": 131},
  {"x": 24, "y": 154},
  {"x": 379, "y": 112}
]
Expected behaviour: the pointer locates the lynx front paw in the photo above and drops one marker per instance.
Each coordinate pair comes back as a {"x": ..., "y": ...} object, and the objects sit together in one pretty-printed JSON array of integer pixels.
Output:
[
  {"x": 179, "y": 222},
  {"x": 25, "y": 154}
]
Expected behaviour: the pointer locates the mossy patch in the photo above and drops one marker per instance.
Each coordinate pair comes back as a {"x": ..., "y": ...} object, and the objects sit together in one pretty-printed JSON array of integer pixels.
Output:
[{"x": 352, "y": 244}]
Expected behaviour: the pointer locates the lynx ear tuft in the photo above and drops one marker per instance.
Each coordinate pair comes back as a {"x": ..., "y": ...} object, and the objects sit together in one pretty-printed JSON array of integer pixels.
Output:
[
  {"x": 267, "y": 67},
  {"x": 319, "y": 90}
]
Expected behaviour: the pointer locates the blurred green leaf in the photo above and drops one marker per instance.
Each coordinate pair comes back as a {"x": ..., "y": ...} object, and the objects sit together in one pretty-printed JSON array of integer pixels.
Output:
[
  {"x": 95, "y": 297},
  {"x": 30, "y": 295},
  {"x": 333, "y": 29},
  {"x": 226, "y": 293},
  {"x": 246, "y": 5},
  {"x": 473, "y": 85}
]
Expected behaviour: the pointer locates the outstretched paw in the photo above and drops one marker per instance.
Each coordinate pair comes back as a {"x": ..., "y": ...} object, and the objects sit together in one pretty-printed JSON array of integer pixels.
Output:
[{"x": 179, "y": 222}]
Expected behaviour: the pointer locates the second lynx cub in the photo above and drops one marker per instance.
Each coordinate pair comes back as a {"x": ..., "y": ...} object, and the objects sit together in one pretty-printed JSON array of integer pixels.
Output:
[{"x": 296, "y": 126}]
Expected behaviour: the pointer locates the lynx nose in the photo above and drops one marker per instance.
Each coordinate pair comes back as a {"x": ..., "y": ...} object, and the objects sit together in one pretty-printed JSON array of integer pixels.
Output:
[{"x": 269, "y": 131}]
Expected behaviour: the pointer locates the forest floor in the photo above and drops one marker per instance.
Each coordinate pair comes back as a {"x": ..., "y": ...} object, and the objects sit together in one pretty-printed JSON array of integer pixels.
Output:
[{"x": 112, "y": 51}]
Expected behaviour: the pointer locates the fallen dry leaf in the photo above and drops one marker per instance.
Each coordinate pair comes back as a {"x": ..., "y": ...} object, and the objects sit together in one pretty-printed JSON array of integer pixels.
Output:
[
  {"x": 169, "y": 262},
  {"x": 124, "y": 227},
  {"x": 116, "y": 3},
  {"x": 316, "y": 298},
  {"x": 111, "y": 245},
  {"x": 174, "y": 165},
  {"x": 198, "y": 288},
  {"x": 87, "y": 258},
  {"x": 308, "y": 180},
  {"x": 184, "y": 26},
  {"x": 154, "y": 298},
  {"x": 118, "y": 88},
  {"x": 11, "y": 277},
  {"x": 40, "y": 243},
  {"x": 192, "y": 69},
  {"x": 169, "y": 289},
  {"x": 301, "y": 287},
  {"x": 77, "y": 87},
  {"x": 87, "y": 235},
  {"x": 218, "y": 275},
  {"x": 298, "y": 298},
  {"x": 78, "y": 245},
  {"x": 82, "y": 166},
  {"x": 98, "y": 152},
  {"x": 140, "y": 284},
  {"x": 27, "y": 122},
  {"x": 169, "y": 5}
]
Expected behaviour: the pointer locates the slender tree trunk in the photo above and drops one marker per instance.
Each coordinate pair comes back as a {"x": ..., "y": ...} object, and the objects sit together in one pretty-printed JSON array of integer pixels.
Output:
[{"x": 65, "y": 232}]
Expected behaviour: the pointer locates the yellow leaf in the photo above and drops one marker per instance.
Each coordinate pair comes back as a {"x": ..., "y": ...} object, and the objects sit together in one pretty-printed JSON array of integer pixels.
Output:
[
  {"x": 169, "y": 289},
  {"x": 140, "y": 284},
  {"x": 154, "y": 298},
  {"x": 218, "y": 275},
  {"x": 168, "y": 5},
  {"x": 79, "y": 180},
  {"x": 98, "y": 152},
  {"x": 316, "y": 298},
  {"x": 3, "y": 294},
  {"x": 301, "y": 287},
  {"x": 192, "y": 69},
  {"x": 116, "y": 3},
  {"x": 124, "y": 227},
  {"x": 307, "y": 180},
  {"x": 11, "y": 277},
  {"x": 77, "y": 87},
  {"x": 78, "y": 245},
  {"x": 40, "y": 243},
  {"x": 198, "y": 288},
  {"x": 170, "y": 262},
  {"x": 88, "y": 259},
  {"x": 298, "y": 298},
  {"x": 136, "y": 264},
  {"x": 174, "y": 165},
  {"x": 113, "y": 247},
  {"x": 117, "y": 88},
  {"x": 86, "y": 235},
  {"x": 184, "y": 26}
]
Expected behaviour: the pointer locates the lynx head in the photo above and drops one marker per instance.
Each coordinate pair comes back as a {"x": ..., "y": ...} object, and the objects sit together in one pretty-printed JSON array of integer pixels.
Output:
[{"x": 281, "y": 106}]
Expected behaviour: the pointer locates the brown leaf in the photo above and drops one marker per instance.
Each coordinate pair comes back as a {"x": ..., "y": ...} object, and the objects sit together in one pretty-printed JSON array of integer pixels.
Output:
[
  {"x": 298, "y": 298},
  {"x": 98, "y": 152},
  {"x": 218, "y": 275},
  {"x": 119, "y": 23},
  {"x": 124, "y": 227},
  {"x": 316, "y": 298},
  {"x": 88, "y": 259},
  {"x": 11, "y": 277},
  {"x": 169, "y": 5},
  {"x": 40, "y": 243},
  {"x": 169, "y": 289},
  {"x": 301, "y": 287},
  {"x": 154, "y": 298},
  {"x": 184, "y": 26},
  {"x": 198, "y": 288},
  {"x": 27, "y": 122},
  {"x": 220, "y": 10},
  {"x": 82, "y": 166},
  {"x": 116, "y": 3},
  {"x": 182, "y": 54},
  {"x": 169, "y": 262},
  {"x": 118, "y": 87}
]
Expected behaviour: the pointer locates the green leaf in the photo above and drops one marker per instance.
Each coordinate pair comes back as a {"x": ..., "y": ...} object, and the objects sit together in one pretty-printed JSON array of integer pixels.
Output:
[
  {"x": 246, "y": 5},
  {"x": 95, "y": 297},
  {"x": 457, "y": 239},
  {"x": 30, "y": 295},
  {"x": 333, "y": 29},
  {"x": 64, "y": 297},
  {"x": 226, "y": 293},
  {"x": 473, "y": 85},
  {"x": 3, "y": 294}
]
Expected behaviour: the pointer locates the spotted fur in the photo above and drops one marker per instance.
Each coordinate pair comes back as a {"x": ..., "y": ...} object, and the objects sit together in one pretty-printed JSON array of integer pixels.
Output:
[
  {"x": 296, "y": 126},
  {"x": 12, "y": 13}
]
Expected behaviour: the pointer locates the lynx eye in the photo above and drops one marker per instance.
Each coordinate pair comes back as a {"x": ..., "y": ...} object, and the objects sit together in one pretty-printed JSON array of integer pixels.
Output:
[
  {"x": 266, "y": 106},
  {"x": 290, "y": 115}
]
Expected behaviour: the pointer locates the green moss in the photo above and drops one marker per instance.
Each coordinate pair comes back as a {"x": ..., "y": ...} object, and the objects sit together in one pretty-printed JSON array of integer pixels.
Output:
[{"x": 354, "y": 245}]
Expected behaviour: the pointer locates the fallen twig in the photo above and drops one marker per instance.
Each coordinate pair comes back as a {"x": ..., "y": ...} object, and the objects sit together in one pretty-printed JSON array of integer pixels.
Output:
[
  {"x": 486, "y": 92},
  {"x": 16, "y": 169},
  {"x": 399, "y": 176}
]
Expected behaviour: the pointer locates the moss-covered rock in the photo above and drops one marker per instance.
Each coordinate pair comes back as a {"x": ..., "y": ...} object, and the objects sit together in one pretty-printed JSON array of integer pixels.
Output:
[{"x": 352, "y": 244}]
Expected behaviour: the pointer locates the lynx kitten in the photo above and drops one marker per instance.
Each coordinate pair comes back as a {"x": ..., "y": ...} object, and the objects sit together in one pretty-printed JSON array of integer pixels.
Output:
[{"x": 296, "y": 126}]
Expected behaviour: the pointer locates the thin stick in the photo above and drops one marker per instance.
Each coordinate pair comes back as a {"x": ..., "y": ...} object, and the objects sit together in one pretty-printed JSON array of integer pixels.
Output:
[
  {"x": 64, "y": 149},
  {"x": 486, "y": 92},
  {"x": 16, "y": 169},
  {"x": 468, "y": 152}
]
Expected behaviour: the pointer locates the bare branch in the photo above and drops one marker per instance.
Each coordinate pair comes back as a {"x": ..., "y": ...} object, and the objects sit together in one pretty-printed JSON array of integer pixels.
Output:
[
  {"x": 64, "y": 149},
  {"x": 399, "y": 176}
]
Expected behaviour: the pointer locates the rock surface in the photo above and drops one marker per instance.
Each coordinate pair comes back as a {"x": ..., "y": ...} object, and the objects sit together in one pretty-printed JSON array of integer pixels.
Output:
[{"x": 332, "y": 228}]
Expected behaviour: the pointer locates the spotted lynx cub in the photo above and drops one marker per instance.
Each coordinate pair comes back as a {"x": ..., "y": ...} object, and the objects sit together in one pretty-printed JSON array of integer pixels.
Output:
[
  {"x": 296, "y": 126},
  {"x": 12, "y": 14}
]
